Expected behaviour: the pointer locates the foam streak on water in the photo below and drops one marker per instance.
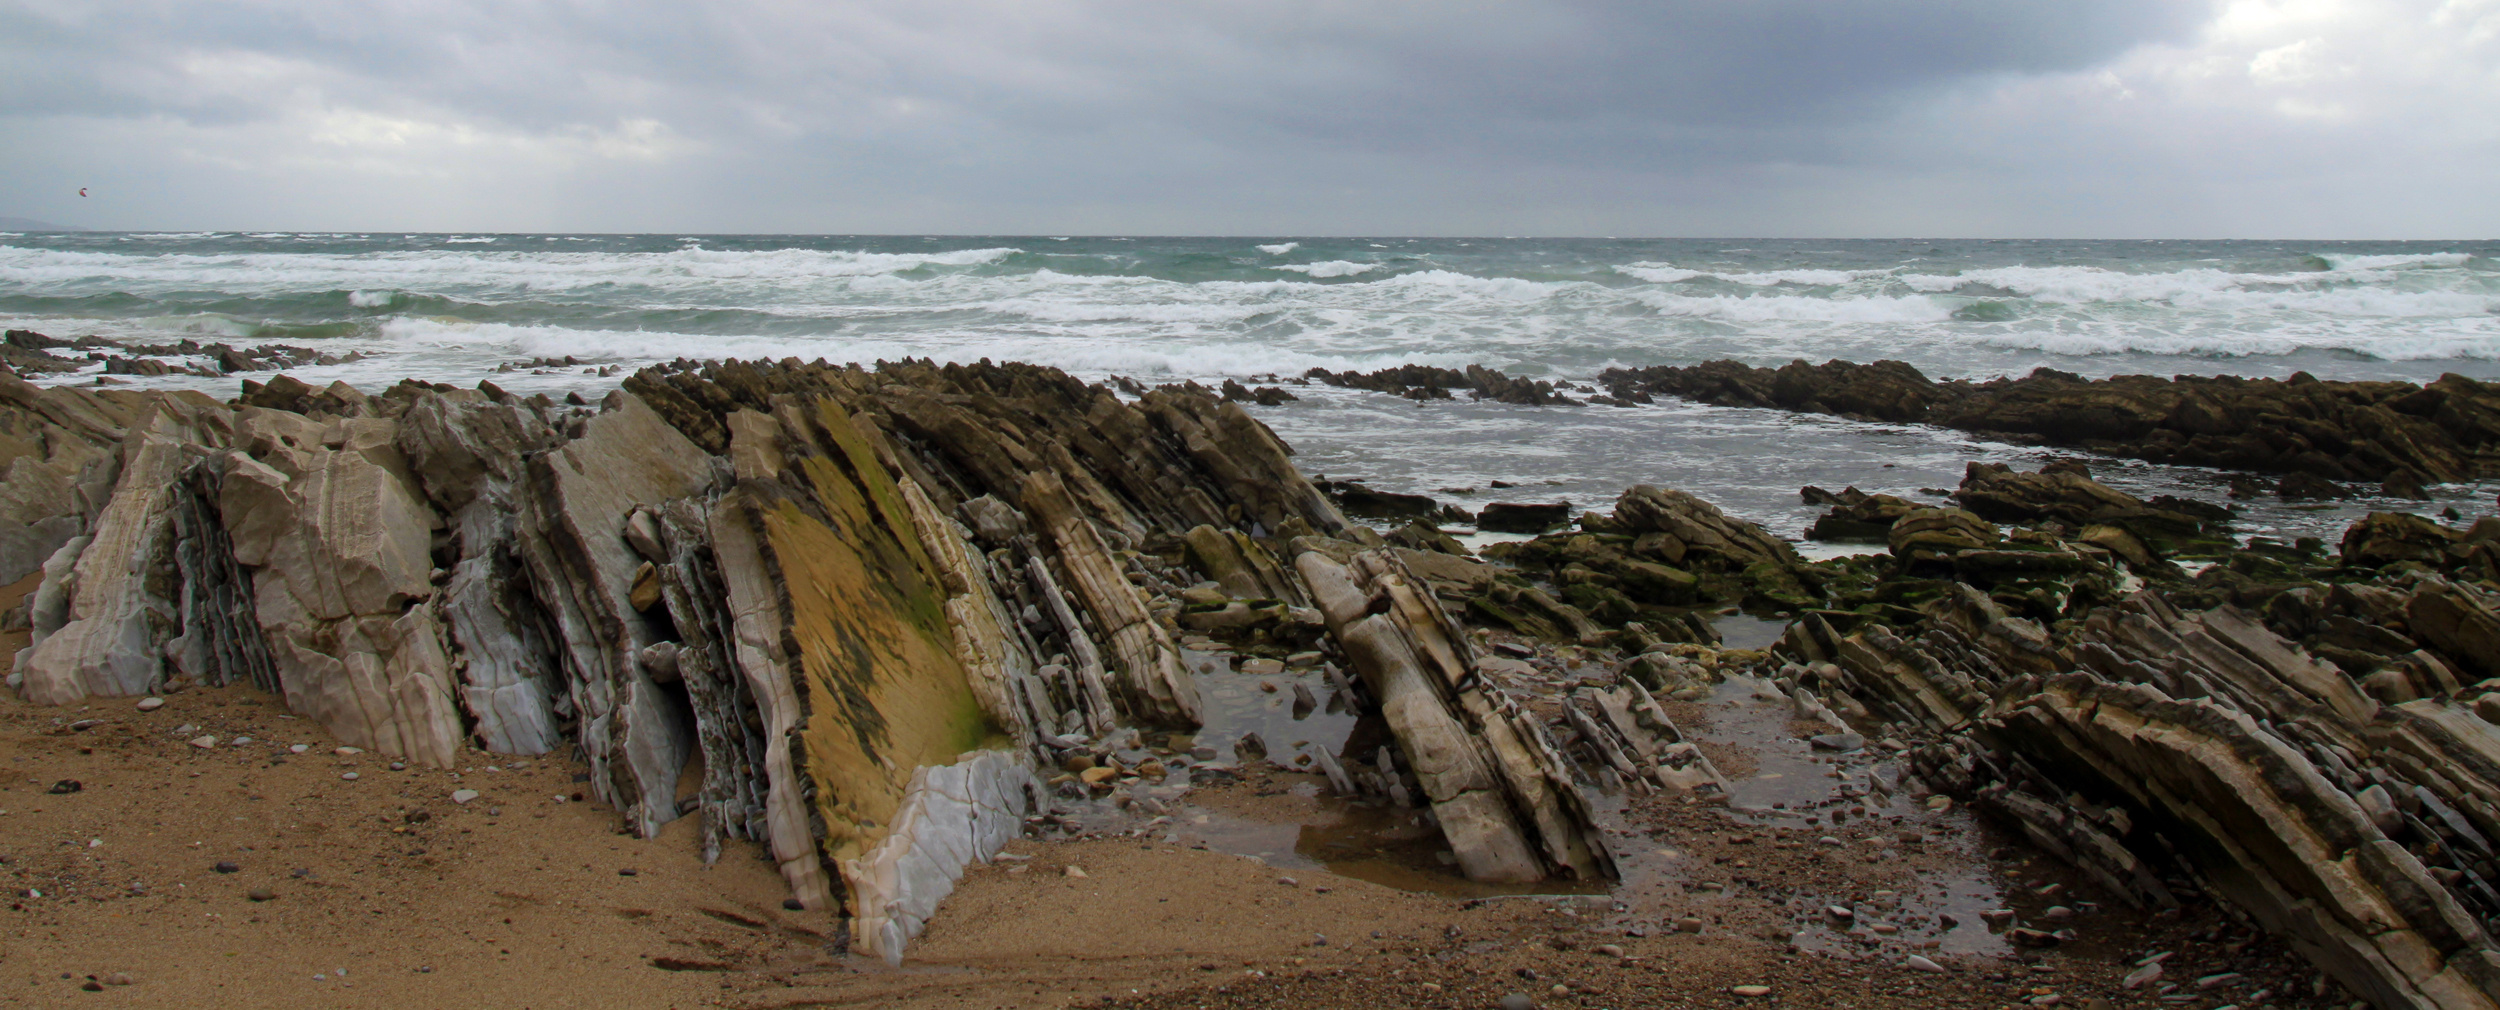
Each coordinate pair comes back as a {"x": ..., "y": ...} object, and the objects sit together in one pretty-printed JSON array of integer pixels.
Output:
[{"x": 451, "y": 308}]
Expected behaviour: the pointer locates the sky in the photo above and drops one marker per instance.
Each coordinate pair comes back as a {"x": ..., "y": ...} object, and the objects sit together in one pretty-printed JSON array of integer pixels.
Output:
[{"x": 1826, "y": 118}]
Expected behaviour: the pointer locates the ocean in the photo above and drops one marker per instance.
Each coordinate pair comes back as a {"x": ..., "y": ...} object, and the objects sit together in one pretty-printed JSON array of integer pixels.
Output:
[{"x": 452, "y": 308}]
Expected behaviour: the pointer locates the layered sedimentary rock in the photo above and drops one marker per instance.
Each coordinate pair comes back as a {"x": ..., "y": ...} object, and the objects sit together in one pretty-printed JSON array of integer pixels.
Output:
[
  {"x": 1505, "y": 799},
  {"x": 835, "y": 611},
  {"x": 2197, "y": 737},
  {"x": 2399, "y": 433}
]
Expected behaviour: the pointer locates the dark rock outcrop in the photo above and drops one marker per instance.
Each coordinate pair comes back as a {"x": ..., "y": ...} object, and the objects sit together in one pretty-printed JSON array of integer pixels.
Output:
[{"x": 2409, "y": 434}]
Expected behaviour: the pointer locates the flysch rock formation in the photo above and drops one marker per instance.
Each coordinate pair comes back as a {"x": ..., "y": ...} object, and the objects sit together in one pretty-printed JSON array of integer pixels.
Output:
[
  {"x": 857, "y": 609},
  {"x": 875, "y": 617}
]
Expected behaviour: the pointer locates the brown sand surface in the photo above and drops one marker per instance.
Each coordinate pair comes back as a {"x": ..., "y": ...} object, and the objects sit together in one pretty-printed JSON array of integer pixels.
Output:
[{"x": 516, "y": 899}]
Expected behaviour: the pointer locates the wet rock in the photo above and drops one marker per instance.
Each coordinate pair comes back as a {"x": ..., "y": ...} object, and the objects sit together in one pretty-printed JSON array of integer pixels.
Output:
[
  {"x": 1855, "y": 515},
  {"x": 2334, "y": 430},
  {"x": 1510, "y": 517}
]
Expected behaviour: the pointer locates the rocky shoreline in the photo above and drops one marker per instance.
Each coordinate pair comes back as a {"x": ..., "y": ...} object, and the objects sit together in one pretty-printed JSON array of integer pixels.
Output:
[{"x": 881, "y": 622}]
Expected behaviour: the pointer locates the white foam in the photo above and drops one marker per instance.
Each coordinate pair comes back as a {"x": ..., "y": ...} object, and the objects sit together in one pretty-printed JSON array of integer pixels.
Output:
[
  {"x": 2349, "y": 261},
  {"x": 370, "y": 299},
  {"x": 1280, "y": 248},
  {"x": 1669, "y": 273},
  {"x": 1329, "y": 268}
]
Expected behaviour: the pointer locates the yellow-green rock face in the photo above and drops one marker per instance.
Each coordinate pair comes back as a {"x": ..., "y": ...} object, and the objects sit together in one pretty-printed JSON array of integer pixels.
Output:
[{"x": 883, "y": 688}]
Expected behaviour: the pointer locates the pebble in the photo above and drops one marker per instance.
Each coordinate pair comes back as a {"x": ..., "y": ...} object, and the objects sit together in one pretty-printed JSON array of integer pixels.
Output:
[
  {"x": 242, "y": 741},
  {"x": 628, "y": 872},
  {"x": 349, "y": 776},
  {"x": 1839, "y": 741},
  {"x": 1609, "y": 950},
  {"x": 399, "y": 766},
  {"x": 1262, "y": 667},
  {"x": 2057, "y": 913},
  {"x": 1688, "y": 924},
  {"x": 1918, "y": 963},
  {"x": 2140, "y": 977},
  {"x": 2217, "y": 981},
  {"x": 1839, "y": 913},
  {"x": 119, "y": 978},
  {"x": 151, "y": 704},
  {"x": 1287, "y": 881},
  {"x": 348, "y": 751},
  {"x": 1827, "y": 840},
  {"x": 1997, "y": 916},
  {"x": 1074, "y": 870},
  {"x": 1940, "y": 803},
  {"x": 203, "y": 742},
  {"x": 299, "y": 748},
  {"x": 1517, "y": 1001},
  {"x": 262, "y": 894},
  {"x": 463, "y": 795},
  {"x": 227, "y": 868},
  {"x": 1751, "y": 990}
]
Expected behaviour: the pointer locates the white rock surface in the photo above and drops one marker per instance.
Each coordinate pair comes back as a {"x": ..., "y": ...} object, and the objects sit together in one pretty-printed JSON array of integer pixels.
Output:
[{"x": 952, "y": 815}]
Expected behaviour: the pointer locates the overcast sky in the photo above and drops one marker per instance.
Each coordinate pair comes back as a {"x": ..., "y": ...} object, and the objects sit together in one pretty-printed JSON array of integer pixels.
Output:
[{"x": 2044, "y": 118}]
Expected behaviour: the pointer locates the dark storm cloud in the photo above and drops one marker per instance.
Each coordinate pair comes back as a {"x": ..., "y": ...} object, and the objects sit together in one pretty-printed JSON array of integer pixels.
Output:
[
  {"x": 1393, "y": 74},
  {"x": 1584, "y": 116}
]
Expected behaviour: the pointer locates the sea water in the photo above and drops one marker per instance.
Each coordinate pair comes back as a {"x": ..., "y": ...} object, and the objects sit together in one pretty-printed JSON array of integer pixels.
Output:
[{"x": 452, "y": 308}]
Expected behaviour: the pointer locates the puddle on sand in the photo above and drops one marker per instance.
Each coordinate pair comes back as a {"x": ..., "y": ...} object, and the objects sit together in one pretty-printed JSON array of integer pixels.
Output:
[
  {"x": 1799, "y": 796},
  {"x": 1744, "y": 631},
  {"x": 1376, "y": 842},
  {"x": 1234, "y": 704},
  {"x": 1302, "y": 826}
]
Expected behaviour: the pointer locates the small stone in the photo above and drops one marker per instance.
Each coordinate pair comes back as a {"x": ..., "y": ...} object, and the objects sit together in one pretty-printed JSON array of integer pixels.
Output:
[
  {"x": 1840, "y": 913},
  {"x": 1609, "y": 950},
  {"x": 1839, "y": 742},
  {"x": 91, "y": 985},
  {"x": 2022, "y": 937},
  {"x": 242, "y": 741},
  {"x": 1997, "y": 916},
  {"x": 348, "y": 751},
  {"x": 349, "y": 776},
  {"x": 1099, "y": 775},
  {"x": 2217, "y": 981},
  {"x": 793, "y": 905},
  {"x": 628, "y": 872},
  {"x": 261, "y": 894},
  {"x": 1517, "y": 1001},
  {"x": 119, "y": 978},
  {"x": 463, "y": 795},
  {"x": 227, "y": 868},
  {"x": 1827, "y": 840},
  {"x": 1288, "y": 881},
  {"x": 299, "y": 748},
  {"x": 1074, "y": 870},
  {"x": 1751, "y": 990},
  {"x": 1688, "y": 924},
  {"x": 2141, "y": 977},
  {"x": 151, "y": 704},
  {"x": 399, "y": 766},
  {"x": 2057, "y": 913},
  {"x": 1940, "y": 803},
  {"x": 1262, "y": 667},
  {"x": 203, "y": 742}
]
